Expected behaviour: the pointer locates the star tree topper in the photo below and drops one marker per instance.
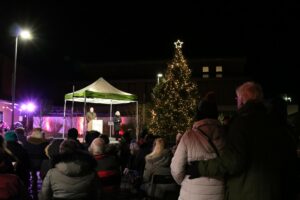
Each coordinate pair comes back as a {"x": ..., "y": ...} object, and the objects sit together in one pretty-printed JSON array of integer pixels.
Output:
[{"x": 178, "y": 44}]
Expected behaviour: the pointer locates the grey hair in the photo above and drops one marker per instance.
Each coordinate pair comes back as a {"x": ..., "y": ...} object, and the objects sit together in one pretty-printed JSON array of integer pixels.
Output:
[
  {"x": 250, "y": 91},
  {"x": 97, "y": 146}
]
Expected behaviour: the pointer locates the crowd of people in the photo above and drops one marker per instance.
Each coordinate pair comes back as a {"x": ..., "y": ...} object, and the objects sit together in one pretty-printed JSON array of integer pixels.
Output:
[
  {"x": 251, "y": 156},
  {"x": 35, "y": 167}
]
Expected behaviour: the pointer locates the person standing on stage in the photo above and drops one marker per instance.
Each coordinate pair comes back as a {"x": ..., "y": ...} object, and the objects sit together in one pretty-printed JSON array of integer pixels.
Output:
[
  {"x": 91, "y": 115},
  {"x": 117, "y": 124}
]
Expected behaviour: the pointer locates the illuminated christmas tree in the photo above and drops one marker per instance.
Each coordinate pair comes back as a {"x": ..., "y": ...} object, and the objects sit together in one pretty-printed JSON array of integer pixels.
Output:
[{"x": 174, "y": 98}]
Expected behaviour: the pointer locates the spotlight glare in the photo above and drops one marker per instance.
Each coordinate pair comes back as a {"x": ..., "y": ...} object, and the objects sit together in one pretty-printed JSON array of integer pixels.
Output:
[
  {"x": 30, "y": 107},
  {"x": 23, "y": 107}
]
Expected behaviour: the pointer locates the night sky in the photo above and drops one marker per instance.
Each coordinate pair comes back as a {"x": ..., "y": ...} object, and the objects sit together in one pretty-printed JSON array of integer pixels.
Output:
[{"x": 65, "y": 33}]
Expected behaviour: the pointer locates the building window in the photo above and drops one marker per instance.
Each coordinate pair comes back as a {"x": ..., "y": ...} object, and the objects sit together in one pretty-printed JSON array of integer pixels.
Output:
[
  {"x": 205, "y": 69},
  {"x": 205, "y": 75},
  {"x": 219, "y": 69},
  {"x": 219, "y": 75}
]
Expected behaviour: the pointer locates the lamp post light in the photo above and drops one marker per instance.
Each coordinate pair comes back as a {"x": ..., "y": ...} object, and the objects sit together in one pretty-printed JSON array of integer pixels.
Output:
[
  {"x": 27, "y": 109},
  {"x": 287, "y": 98},
  {"x": 158, "y": 77},
  {"x": 26, "y": 35}
]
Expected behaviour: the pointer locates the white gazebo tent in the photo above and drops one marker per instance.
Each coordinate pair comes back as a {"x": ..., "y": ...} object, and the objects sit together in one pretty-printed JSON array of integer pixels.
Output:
[{"x": 101, "y": 92}]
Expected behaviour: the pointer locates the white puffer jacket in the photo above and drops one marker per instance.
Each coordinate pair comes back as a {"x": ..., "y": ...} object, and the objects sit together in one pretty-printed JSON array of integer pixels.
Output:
[{"x": 194, "y": 146}]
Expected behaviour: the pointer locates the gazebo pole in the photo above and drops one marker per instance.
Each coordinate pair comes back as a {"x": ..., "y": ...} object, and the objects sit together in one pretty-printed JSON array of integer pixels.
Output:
[
  {"x": 110, "y": 119},
  {"x": 137, "y": 121},
  {"x": 84, "y": 119},
  {"x": 72, "y": 110},
  {"x": 64, "y": 123}
]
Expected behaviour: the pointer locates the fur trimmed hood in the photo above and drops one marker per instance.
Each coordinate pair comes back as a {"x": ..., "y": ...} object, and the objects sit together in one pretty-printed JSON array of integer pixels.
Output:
[
  {"x": 164, "y": 159},
  {"x": 75, "y": 164}
]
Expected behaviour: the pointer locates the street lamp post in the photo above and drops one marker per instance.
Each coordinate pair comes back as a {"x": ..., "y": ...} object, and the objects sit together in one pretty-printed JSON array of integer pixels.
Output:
[
  {"x": 159, "y": 76},
  {"x": 24, "y": 34}
]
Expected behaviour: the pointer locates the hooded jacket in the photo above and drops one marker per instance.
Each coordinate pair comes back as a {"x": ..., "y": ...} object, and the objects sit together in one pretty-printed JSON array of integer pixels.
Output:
[
  {"x": 195, "y": 146},
  {"x": 255, "y": 157},
  {"x": 73, "y": 177},
  {"x": 158, "y": 165}
]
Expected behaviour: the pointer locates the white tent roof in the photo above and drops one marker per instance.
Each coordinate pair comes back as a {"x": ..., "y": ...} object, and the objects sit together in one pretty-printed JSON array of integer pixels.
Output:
[{"x": 101, "y": 92}]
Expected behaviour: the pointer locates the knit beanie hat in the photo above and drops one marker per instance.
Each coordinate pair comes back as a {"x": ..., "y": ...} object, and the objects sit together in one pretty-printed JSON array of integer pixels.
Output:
[
  {"x": 207, "y": 107},
  {"x": 10, "y": 136}
]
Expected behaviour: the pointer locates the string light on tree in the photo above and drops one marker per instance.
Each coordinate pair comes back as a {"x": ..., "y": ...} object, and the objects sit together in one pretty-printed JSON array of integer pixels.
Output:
[{"x": 174, "y": 99}]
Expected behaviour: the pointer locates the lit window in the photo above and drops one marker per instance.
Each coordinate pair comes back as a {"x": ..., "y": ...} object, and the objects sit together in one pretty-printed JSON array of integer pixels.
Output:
[
  {"x": 219, "y": 68},
  {"x": 205, "y": 69},
  {"x": 219, "y": 75},
  {"x": 205, "y": 75}
]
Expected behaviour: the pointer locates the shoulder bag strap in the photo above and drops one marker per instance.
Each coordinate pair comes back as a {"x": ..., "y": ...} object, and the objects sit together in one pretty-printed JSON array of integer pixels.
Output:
[{"x": 209, "y": 141}]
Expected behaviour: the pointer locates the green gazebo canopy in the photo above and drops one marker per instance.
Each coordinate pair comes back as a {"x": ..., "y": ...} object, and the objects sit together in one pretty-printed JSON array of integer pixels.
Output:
[{"x": 101, "y": 92}]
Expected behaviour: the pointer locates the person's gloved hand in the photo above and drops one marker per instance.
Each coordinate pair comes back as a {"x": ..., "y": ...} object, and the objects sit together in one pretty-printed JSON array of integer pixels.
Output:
[{"x": 192, "y": 170}]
